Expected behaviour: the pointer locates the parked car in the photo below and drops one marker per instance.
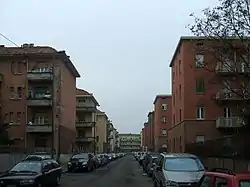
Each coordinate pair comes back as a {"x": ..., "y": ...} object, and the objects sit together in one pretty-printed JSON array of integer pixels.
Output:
[
  {"x": 152, "y": 163},
  {"x": 81, "y": 162},
  {"x": 222, "y": 177},
  {"x": 141, "y": 158},
  {"x": 33, "y": 173},
  {"x": 147, "y": 159},
  {"x": 177, "y": 170}
]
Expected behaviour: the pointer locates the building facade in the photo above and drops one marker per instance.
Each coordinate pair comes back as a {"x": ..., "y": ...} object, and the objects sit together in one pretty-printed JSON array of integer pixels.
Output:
[
  {"x": 151, "y": 131},
  {"x": 86, "y": 121},
  {"x": 202, "y": 104},
  {"x": 130, "y": 142},
  {"x": 101, "y": 132},
  {"x": 162, "y": 120},
  {"x": 38, "y": 84}
]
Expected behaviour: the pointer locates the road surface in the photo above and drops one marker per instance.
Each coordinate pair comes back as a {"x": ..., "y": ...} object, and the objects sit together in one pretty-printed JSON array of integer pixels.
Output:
[{"x": 124, "y": 172}]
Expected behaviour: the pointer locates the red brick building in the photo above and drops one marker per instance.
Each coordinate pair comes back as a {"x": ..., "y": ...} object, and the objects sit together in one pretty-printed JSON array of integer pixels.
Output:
[
  {"x": 151, "y": 131},
  {"x": 143, "y": 143},
  {"x": 162, "y": 120},
  {"x": 200, "y": 110},
  {"x": 38, "y": 97}
]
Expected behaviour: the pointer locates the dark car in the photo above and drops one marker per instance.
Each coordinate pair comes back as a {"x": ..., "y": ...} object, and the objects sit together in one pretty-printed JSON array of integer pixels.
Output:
[
  {"x": 81, "y": 162},
  {"x": 151, "y": 165},
  {"x": 37, "y": 173},
  {"x": 147, "y": 159}
]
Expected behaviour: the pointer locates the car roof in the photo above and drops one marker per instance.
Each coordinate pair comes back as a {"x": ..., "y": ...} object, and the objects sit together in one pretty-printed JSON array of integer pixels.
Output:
[{"x": 172, "y": 155}]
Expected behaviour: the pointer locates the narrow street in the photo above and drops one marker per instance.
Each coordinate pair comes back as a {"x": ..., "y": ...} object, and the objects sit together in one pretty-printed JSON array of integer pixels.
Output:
[{"x": 121, "y": 173}]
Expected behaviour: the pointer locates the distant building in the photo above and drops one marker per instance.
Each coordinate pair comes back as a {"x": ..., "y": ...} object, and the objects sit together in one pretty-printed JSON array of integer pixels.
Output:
[{"x": 130, "y": 142}]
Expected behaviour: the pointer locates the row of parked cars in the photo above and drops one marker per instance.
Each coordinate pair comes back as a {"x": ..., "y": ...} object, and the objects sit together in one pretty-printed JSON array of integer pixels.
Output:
[
  {"x": 186, "y": 170},
  {"x": 40, "y": 170},
  {"x": 90, "y": 162}
]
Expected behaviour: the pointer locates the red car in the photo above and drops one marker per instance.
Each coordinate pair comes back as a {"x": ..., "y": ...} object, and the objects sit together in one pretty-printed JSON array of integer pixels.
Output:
[{"x": 220, "y": 177}]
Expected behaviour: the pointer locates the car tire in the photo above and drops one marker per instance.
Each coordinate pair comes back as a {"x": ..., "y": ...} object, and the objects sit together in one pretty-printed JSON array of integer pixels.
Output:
[{"x": 58, "y": 181}]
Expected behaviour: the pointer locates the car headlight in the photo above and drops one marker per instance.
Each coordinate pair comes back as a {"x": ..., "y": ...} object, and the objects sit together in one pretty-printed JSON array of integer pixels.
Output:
[
  {"x": 171, "y": 183},
  {"x": 29, "y": 181},
  {"x": 84, "y": 163},
  {"x": 69, "y": 163}
]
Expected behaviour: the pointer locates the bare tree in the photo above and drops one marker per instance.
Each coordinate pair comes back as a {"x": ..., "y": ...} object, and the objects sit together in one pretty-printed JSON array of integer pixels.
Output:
[{"x": 223, "y": 34}]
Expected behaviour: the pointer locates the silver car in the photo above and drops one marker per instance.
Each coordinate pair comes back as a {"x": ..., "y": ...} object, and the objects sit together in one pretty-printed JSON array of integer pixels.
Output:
[{"x": 175, "y": 169}]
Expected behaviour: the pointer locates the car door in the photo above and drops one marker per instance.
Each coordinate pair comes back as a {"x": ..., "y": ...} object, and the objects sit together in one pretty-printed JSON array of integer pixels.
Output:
[
  {"x": 57, "y": 169},
  {"x": 206, "y": 181},
  {"x": 45, "y": 173}
]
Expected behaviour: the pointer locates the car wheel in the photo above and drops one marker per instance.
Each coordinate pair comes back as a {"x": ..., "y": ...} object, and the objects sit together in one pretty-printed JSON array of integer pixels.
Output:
[{"x": 58, "y": 181}]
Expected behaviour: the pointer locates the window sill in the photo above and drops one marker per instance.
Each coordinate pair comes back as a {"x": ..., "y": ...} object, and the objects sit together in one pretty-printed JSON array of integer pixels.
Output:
[
  {"x": 14, "y": 124},
  {"x": 200, "y": 93},
  {"x": 11, "y": 98},
  {"x": 200, "y": 119}
]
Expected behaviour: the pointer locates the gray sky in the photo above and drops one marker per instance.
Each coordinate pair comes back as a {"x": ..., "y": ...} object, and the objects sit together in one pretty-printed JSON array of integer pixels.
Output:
[{"x": 122, "y": 48}]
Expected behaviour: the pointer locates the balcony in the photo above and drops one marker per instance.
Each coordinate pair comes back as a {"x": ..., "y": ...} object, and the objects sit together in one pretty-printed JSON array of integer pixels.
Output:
[
  {"x": 231, "y": 94},
  {"x": 84, "y": 124},
  {"x": 85, "y": 139},
  {"x": 85, "y": 107},
  {"x": 230, "y": 122},
  {"x": 40, "y": 74},
  {"x": 40, "y": 100},
  {"x": 227, "y": 69},
  {"x": 110, "y": 137},
  {"x": 39, "y": 128}
]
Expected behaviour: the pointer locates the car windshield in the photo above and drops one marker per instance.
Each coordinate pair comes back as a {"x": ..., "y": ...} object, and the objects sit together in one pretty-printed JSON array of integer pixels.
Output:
[
  {"x": 245, "y": 183},
  {"x": 83, "y": 155},
  {"x": 27, "y": 167},
  {"x": 183, "y": 164}
]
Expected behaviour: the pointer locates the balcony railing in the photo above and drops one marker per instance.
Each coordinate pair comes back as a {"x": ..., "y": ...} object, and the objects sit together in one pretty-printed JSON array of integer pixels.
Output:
[
  {"x": 40, "y": 100},
  {"x": 39, "y": 128},
  {"x": 232, "y": 68},
  {"x": 85, "y": 124},
  {"x": 231, "y": 94},
  {"x": 84, "y": 107},
  {"x": 84, "y": 139},
  {"x": 230, "y": 122},
  {"x": 40, "y": 74}
]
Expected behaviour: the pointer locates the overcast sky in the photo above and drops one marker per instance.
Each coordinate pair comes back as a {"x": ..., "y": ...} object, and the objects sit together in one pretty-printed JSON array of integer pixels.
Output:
[{"x": 122, "y": 48}]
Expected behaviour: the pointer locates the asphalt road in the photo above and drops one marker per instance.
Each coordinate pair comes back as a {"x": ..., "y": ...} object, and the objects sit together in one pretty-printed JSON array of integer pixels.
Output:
[{"x": 120, "y": 173}]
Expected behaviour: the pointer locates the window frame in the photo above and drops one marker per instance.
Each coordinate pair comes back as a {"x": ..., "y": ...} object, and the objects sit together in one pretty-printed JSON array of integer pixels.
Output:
[{"x": 200, "y": 112}]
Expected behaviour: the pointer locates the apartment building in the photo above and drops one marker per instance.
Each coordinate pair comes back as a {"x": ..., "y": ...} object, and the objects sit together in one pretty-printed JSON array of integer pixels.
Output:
[
  {"x": 130, "y": 142},
  {"x": 110, "y": 137},
  {"x": 86, "y": 122},
  {"x": 151, "y": 131},
  {"x": 37, "y": 97},
  {"x": 101, "y": 132},
  {"x": 203, "y": 101},
  {"x": 143, "y": 137},
  {"x": 147, "y": 136},
  {"x": 162, "y": 120}
]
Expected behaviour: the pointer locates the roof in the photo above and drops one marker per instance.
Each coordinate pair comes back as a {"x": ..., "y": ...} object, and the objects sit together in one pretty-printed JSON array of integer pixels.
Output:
[
  {"x": 183, "y": 38},
  {"x": 84, "y": 93},
  {"x": 30, "y": 49},
  {"x": 171, "y": 155},
  {"x": 152, "y": 112},
  {"x": 162, "y": 96}
]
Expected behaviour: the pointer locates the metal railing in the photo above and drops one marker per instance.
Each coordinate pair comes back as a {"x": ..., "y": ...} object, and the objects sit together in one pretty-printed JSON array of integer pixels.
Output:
[{"x": 229, "y": 122}]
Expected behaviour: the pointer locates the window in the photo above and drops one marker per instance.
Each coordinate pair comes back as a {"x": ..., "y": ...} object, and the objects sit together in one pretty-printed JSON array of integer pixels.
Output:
[
  {"x": 245, "y": 183},
  {"x": 200, "y": 112},
  {"x": 180, "y": 91},
  {"x": 12, "y": 92},
  {"x": 179, "y": 67},
  {"x": 164, "y": 107},
  {"x": 19, "y": 92},
  {"x": 200, "y": 85},
  {"x": 19, "y": 67},
  {"x": 183, "y": 164},
  {"x": 199, "y": 61},
  {"x": 206, "y": 181},
  {"x": 199, "y": 139},
  {"x": 164, "y": 119},
  {"x": 41, "y": 120},
  {"x": 18, "y": 116},
  {"x": 220, "y": 182},
  {"x": 11, "y": 117},
  {"x": 180, "y": 114}
]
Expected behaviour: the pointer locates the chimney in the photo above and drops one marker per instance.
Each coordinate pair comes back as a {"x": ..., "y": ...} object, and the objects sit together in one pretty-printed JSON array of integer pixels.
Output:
[
  {"x": 25, "y": 45},
  {"x": 31, "y": 45}
]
